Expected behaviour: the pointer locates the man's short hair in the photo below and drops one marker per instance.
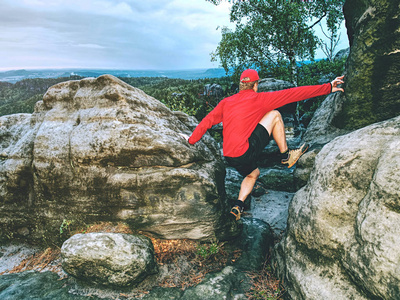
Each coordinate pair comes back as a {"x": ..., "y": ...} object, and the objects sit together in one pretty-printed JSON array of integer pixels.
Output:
[{"x": 247, "y": 85}]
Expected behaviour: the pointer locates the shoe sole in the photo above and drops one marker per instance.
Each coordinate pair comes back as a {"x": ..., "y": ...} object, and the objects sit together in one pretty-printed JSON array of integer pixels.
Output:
[{"x": 293, "y": 163}]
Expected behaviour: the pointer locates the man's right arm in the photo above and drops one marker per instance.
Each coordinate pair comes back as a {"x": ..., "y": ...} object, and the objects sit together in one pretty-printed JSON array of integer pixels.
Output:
[{"x": 214, "y": 117}]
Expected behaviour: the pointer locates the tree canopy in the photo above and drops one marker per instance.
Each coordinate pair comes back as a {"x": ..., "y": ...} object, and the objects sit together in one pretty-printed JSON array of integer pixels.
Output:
[{"x": 271, "y": 35}]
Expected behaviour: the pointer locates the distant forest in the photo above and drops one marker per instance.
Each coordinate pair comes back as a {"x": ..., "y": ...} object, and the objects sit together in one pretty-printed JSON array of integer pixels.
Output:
[{"x": 189, "y": 96}]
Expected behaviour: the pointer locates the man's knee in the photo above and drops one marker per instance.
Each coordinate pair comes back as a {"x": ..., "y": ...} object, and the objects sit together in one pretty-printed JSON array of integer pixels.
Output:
[
  {"x": 270, "y": 119},
  {"x": 254, "y": 175},
  {"x": 275, "y": 114}
]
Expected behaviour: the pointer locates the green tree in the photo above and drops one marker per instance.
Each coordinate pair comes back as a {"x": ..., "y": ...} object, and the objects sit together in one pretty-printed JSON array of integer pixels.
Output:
[{"x": 272, "y": 35}]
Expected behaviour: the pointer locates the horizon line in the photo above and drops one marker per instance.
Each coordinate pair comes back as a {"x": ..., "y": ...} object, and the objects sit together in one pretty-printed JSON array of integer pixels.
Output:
[{"x": 97, "y": 68}]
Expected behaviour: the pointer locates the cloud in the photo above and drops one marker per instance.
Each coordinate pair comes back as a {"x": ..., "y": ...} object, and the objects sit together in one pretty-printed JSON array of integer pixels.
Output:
[
  {"x": 170, "y": 34},
  {"x": 90, "y": 46}
]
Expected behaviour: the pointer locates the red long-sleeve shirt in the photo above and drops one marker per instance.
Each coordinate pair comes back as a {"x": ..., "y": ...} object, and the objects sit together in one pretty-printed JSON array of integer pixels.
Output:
[{"x": 241, "y": 113}]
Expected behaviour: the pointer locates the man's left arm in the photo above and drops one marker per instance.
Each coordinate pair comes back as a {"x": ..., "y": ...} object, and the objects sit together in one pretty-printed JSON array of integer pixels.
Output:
[
  {"x": 280, "y": 98},
  {"x": 337, "y": 81}
]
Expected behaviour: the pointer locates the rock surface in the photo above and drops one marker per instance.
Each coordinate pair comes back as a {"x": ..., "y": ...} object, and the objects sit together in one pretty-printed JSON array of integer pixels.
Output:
[
  {"x": 36, "y": 285},
  {"x": 272, "y": 84},
  {"x": 321, "y": 130},
  {"x": 110, "y": 259},
  {"x": 373, "y": 66},
  {"x": 219, "y": 286},
  {"x": 342, "y": 240},
  {"x": 101, "y": 150},
  {"x": 232, "y": 282}
]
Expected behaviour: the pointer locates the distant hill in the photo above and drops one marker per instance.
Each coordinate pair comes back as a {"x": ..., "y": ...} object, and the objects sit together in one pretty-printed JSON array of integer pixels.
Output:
[{"x": 18, "y": 75}]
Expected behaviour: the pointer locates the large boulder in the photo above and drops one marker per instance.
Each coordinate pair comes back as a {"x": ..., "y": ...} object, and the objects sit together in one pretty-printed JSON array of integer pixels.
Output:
[
  {"x": 373, "y": 66},
  {"x": 102, "y": 150},
  {"x": 320, "y": 131},
  {"x": 109, "y": 259},
  {"x": 343, "y": 237}
]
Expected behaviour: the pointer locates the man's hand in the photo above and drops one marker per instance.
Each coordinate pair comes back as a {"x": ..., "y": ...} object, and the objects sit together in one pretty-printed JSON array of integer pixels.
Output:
[
  {"x": 335, "y": 83},
  {"x": 186, "y": 137}
]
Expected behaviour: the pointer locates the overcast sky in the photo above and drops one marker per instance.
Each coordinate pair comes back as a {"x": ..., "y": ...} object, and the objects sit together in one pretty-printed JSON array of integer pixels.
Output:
[{"x": 114, "y": 34}]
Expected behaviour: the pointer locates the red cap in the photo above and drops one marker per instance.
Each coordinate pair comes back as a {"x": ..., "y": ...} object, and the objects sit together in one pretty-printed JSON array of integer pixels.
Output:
[{"x": 249, "y": 75}]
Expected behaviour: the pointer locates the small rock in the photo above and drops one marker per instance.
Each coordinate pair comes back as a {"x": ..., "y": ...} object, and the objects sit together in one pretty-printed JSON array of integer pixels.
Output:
[{"x": 110, "y": 259}]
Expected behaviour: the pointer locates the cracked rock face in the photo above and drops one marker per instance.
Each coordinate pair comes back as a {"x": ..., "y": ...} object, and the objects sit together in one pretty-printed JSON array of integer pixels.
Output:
[
  {"x": 373, "y": 66},
  {"x": 343, "y": 237},
  {"x": 101, "y": 150}
]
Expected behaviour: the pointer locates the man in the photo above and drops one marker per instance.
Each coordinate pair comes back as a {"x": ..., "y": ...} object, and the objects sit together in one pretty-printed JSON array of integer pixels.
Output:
[{"x": 249, "y": 120}]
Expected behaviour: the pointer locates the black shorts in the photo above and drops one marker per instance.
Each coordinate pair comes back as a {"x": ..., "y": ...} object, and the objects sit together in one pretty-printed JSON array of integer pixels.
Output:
[{"x": 247, "y": 163}]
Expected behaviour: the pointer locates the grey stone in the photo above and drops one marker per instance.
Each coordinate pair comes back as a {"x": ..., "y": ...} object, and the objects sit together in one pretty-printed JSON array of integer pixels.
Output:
[
  {"x": 214, "y": 90},
  {"x": 304, "y": 167},
  {"x": 164, "y": 294},
  {"x": 109, "y": 259},
  {"x": 36, "y": 285},
  {"x": 255, "y": 241},
  {"x": 272, "y": 84},
  {"x": 278, "y": 179},
  {"x": 272, "y": 208},
  {"x": 102, "y": 150},
  {"x": 373, "y": 66},
  {"x": 321, "y": 129},
  {"x": 341, "y": 54},
  {"x": 342, "y": 240},
  {"x": 219, "y": 286}
]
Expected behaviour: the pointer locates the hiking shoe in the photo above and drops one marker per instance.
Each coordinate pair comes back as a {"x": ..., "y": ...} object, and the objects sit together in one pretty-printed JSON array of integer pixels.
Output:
[
  {"x": 294, "y": 155},
  {"x": 236, "y": 211}
]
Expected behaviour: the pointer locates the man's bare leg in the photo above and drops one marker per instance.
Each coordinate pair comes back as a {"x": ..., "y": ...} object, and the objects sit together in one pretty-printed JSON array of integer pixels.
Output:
[
  {"x": 245, "y": 190},
  {"x": 248, "y": 184},
  {"x": 273, "y": 122}
]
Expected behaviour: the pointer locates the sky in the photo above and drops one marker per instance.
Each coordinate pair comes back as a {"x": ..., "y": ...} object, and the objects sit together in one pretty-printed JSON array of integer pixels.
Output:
[{"x": 111, "y": 34}]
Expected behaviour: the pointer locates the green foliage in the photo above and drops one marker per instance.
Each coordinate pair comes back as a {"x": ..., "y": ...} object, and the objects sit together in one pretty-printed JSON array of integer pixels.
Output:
[
  {"x": 176, "y": 94},
  {"x": 311, "y": 74},
  {"x": 269, "y": 34},
  {"x": 184, "y": 95},
  {"x": 22, "y": 96},
  {"x": 65, "y": 226},
  {"x": 206, "y": 251}
]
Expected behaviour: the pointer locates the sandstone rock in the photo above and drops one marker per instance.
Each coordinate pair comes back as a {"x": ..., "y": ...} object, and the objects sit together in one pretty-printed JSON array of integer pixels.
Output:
[
  {"x": 214, "y": 90},
  {"x": 272, "y": 84},
  {"x": 373, "y": 66},
  {"x": 344, "y": 53},
  {"x": 272, "y": 208},
  {"x": 219, "y": 286},
  {"x": 255, "y": 241},
  {"x": 16, "y": 189},
  {"x": 321, "y": 130},
  {"x": 102, "y": 150},
  {"x": 37, "y": 285},
  {"x": 304, "y": 167},
  {"x": 279, "y": 179},
  {"x": 342, "y": 240},
  {"x": 110, "y": 259},
  {"x": 232, "y": 183}
]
